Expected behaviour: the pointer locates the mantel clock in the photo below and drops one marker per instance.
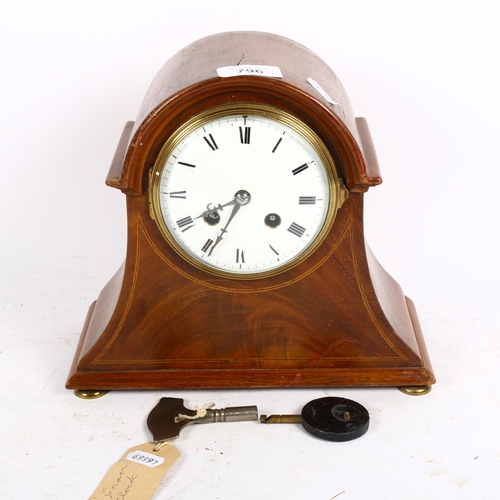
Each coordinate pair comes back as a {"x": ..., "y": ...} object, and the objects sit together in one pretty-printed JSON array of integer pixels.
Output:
[{"x": 246, "y": 262}]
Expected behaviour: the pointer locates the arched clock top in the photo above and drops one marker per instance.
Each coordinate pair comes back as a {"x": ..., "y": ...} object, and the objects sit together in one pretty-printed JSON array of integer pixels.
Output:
[{"x": 189, "y": 82}]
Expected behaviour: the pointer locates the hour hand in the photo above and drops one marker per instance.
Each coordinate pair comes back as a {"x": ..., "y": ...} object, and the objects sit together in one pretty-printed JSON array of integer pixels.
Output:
[{"x": 212, "y": 209}]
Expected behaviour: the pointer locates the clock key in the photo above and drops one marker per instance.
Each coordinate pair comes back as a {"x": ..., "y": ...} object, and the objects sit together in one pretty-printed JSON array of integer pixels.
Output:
[
  {"x": 331, "y": 418},
  {"x": 170, "y": 416}
]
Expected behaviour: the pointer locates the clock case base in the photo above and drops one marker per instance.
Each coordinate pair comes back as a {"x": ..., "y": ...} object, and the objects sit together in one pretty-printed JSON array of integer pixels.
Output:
[
  {"x": 336, "y": 319},
  {"x": 227, "y": 378}
]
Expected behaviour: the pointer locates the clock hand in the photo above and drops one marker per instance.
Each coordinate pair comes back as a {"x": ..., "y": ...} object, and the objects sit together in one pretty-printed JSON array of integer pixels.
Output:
[
  {"x": 210, "y": 211},
  {"x": 224, "y": 229},
  {"x": 240, "y": 198}
]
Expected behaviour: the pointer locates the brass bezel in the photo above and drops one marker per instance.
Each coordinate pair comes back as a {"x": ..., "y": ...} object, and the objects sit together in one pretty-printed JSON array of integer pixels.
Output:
[{"x": 338, "y": 192}]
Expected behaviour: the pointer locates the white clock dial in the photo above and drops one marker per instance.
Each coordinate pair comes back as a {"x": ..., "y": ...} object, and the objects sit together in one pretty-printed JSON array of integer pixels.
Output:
[{"x": 243, "y": 194}]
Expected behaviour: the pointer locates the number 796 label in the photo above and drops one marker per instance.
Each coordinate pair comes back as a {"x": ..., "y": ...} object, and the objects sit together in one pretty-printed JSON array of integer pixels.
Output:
[{"x": 249, "y": 70}]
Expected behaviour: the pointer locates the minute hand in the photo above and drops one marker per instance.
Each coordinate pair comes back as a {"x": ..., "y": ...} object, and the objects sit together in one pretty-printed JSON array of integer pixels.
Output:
[
  {"x": 242, "y": 197},
  {"x": 236, "y": 207}
]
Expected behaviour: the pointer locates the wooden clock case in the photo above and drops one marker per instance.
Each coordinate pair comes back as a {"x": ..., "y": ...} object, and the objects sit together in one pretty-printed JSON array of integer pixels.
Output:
[{"x": 336, "y": 319}]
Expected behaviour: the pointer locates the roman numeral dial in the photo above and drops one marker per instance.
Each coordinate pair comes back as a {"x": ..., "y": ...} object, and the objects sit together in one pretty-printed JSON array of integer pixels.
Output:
[
  {"x": 245, "y": 135},
  {"x": 185, "y": 223},
  {"x": 244, "y": 194},
  {"x": 210, "y": 142},
  {"x": 300, "y": 169}
]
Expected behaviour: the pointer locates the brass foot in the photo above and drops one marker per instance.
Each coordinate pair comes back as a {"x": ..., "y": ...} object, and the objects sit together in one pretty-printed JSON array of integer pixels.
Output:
[
  {"x": 89, "y": 394},
  {"x": 416, "y": 390}
]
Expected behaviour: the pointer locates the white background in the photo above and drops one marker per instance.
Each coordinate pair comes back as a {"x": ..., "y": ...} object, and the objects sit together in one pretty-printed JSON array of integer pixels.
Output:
[{"x": 425, "y": 75}]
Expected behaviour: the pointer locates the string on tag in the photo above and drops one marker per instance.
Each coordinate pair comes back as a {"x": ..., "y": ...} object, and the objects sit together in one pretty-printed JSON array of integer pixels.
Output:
[
  {"x": 200, "y": 412},
  {"x": 160, "y": 444}
]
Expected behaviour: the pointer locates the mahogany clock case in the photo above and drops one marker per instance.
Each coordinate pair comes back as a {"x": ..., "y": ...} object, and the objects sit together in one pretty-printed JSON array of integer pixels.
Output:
[{"x": 335, "y": 319}]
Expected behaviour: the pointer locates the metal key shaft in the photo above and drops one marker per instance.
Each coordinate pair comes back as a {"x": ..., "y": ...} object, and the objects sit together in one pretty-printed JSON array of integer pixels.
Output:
[
  {"x": 293, "y": 419},
  {"x": 281, "y": 419}
]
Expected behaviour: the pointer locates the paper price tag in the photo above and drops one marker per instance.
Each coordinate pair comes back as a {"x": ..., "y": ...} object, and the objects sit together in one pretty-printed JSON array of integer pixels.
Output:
[
  {"x": 144, "y": 458},
  {"x": 138, "y": 473},
  {"x": 249, "y": 70},
  {"x": 318, "y": 87}
]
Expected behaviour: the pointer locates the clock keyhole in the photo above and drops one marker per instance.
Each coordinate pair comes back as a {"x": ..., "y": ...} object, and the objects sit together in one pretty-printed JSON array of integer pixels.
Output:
[
  {"x": 212, "y": 219},
  {"x": 272, "y": 220}
]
